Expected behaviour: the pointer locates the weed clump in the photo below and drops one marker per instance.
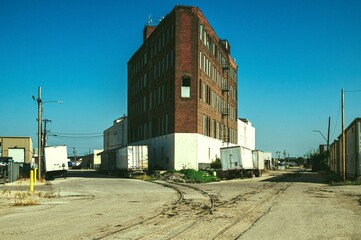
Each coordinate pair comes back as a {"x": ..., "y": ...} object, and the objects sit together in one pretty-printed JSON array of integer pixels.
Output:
[
  {"x": 146, "y": 178},
  {"x": 184, "y": 176},
  {"x": 25, "y": 199},
  {"x": 193, "y": 176},
  {"x": 346, "y": 182}
]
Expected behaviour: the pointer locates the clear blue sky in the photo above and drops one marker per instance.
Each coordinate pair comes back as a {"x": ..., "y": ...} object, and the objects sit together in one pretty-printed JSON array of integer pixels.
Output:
[{"x": 293, "y": 57}]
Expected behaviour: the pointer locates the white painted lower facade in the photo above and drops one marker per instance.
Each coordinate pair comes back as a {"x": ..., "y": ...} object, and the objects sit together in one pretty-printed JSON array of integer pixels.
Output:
[{"x": 182, "y": 150}]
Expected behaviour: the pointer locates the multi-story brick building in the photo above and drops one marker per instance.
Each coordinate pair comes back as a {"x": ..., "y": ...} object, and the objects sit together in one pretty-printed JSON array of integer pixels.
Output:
[{"x": 182, "y": 92}]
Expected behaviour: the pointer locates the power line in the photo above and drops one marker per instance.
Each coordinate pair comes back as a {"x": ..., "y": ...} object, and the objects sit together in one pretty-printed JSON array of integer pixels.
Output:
[
  {"x": 77, "y": 134},
  {"x": 352, "y": 91},
  {"x": 86, "y": 134},
  {"x": 75, "y": 138}
]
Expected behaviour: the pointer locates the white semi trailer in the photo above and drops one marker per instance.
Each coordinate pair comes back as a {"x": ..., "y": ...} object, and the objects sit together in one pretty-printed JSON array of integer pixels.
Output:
[
  {"x": 132, "y": 160},
  {"x": 236, "y": 161},
  {"x": 56, "y": 161},
  {"x": 258, "y": 162}
]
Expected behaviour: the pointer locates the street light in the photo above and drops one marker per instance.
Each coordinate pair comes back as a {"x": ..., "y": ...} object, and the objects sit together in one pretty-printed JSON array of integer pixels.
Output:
[
  {"x": 40, "y": 112},
  {"x": 321, "y": 134},
  {"x": 326, "y": 139},
  {"x": 57, "y": 101}
]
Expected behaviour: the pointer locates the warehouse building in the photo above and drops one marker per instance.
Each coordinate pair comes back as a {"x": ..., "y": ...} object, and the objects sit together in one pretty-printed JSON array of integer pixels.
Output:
[
  {"x": 182, "y": 92},
  {"x": 353, "y": 151}
]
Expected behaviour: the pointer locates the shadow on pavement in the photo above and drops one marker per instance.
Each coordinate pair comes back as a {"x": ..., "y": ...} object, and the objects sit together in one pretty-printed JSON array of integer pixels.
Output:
[
  {"x": 298, "y": 176},
  {"x": 75, "y": 173}
]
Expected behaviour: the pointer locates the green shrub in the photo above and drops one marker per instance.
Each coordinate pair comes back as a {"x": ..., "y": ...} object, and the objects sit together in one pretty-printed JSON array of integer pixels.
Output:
[
  {"x": 216, "y": 164},
  {"x": 191, "y": 175}
]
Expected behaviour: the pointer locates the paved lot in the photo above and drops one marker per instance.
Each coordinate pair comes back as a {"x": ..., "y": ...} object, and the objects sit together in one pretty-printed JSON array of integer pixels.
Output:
[
  {"x": 277, "y": 206},
  {"x": 87, "y": 203}
]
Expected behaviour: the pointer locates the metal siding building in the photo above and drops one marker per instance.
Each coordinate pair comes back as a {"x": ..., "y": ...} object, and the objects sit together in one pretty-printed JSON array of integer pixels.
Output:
[{"x": 353, "y": 149}]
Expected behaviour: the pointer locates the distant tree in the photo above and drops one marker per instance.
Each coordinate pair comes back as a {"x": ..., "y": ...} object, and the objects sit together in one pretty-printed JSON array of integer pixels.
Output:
[
  {"x": 216, "y": 164},
  {"x": 319, "y": 162},
  {"x": 300, "y": 161}
]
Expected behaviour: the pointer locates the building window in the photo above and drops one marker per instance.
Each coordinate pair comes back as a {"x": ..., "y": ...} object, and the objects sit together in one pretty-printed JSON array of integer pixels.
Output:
[
  {"x": 200, "y": 60},
  {"x": 166, "y": 123},
  {"x": 186, "y": 87},
  {"x": 200, "y": 89}
]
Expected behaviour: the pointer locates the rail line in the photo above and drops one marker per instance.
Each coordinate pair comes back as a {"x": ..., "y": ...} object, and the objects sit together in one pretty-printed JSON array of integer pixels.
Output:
[
  {"x": 159, "y": 224},
  {"x": 183, "y": 225},
  {"x": 249, "y": 212},
  {"x": 194, "y": 207}
]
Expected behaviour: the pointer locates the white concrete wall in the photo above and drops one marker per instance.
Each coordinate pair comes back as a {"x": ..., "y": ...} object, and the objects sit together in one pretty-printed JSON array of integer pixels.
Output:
[
  {"x": 160, "y": 151},
  {"x": 246, "y": 135},
  {"x": 186, "y": 151},
  {"x": 209, "y": 148},
  {"x": 182, "y": 150}
]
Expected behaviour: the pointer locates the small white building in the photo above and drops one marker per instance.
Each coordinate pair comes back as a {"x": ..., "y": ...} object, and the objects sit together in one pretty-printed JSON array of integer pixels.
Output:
[
  {"x": 117, "y": 135},
  {"x": 115, "y": 138},
  {"x": 246, "y": 134},
  {"x": 92, "y": 160}
]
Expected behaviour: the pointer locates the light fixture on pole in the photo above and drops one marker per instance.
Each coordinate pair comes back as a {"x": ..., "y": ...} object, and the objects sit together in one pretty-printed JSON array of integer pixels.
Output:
[
  {"x": 326, "y": 139},
  {"x": 39, "y": 129},
  {"x": 40, "y": 112}
]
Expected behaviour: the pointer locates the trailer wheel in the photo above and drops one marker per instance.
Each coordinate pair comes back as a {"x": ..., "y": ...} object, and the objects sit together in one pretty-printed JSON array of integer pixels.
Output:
[{"x": 49, "y": 176}]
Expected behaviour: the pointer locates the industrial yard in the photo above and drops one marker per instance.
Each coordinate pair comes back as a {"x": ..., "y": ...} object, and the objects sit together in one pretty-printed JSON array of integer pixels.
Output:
[{"x": 278, "y": 205}]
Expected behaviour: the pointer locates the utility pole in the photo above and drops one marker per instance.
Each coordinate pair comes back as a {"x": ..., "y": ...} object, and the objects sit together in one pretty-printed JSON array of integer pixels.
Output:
[
  {"x": 44, "y": 135},
  {"x": 343, "y": 158},
  {"x": 39, "y": 131},
  {"x": 328, "y": 142},
  {"x": 74, "y": 152},
  {"x": 40, "y": 145},
  {"x": 277, "y": 158},
  {"x": 284, "y": 156}
]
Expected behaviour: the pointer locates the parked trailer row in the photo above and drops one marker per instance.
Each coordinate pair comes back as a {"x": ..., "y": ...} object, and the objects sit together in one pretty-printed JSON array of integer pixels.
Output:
[
  {"x": 258, "y": 162},
  {"x": 241, "y": 162}
]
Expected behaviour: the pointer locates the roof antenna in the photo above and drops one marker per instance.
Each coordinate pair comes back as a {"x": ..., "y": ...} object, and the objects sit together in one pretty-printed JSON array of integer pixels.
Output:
[{"x": 149, "y": 20}]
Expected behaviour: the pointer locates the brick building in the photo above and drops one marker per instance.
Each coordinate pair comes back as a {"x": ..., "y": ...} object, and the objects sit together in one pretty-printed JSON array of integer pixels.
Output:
[{"x": 182, "y": 92}]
